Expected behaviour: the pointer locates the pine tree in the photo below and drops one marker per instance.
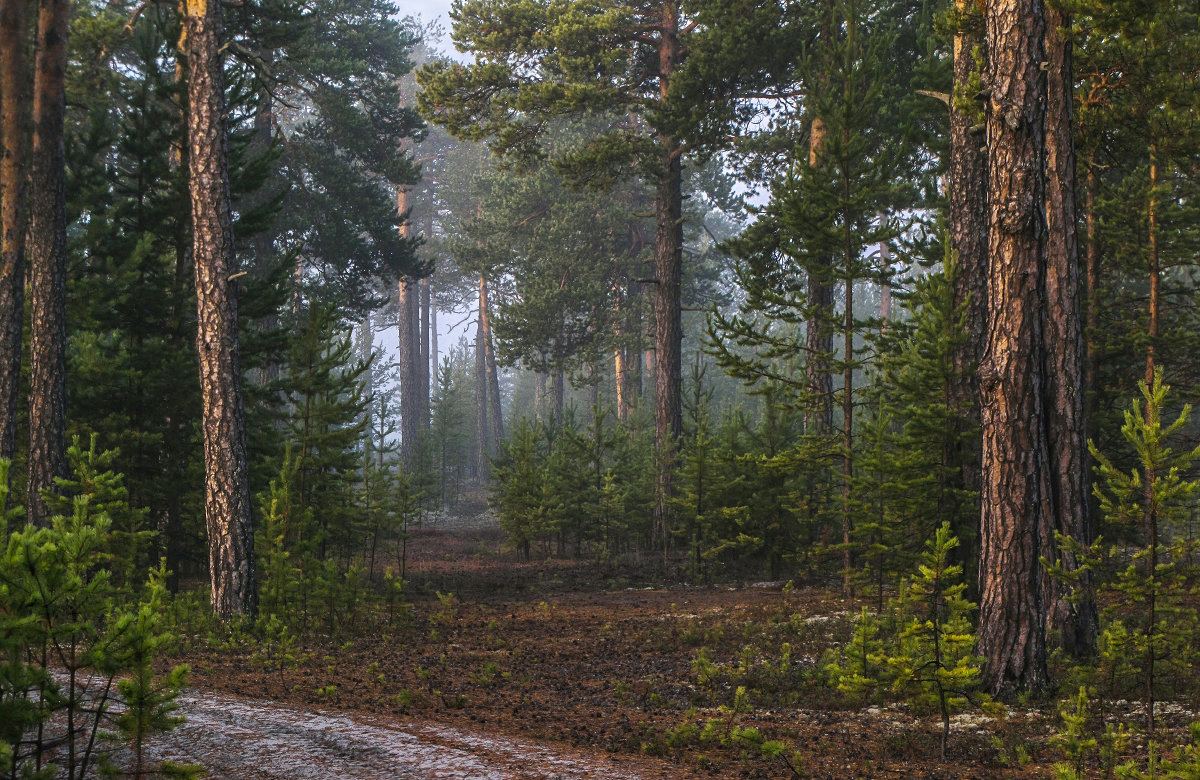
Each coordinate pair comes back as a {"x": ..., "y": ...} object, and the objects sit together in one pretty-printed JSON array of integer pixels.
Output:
[
  {"x": 918, "y": 467},
  {"x": 131, "y": 307},
  {"x": 1032, "y": 420},
  {"x": 930, "y": 659},
  {"x": 534, "y": 232},
  {"x": 64, "y": 623},
  {"x": 227, "y": 488},
  {"x": 822, "y": 217},
  {"x": 1153, "y": 498},
  {"x": 518, "y": 477},
  {"x": 449, "y": 441},
  {"x": 662, "y": 81},
  {"x": 326, "y": 378}
]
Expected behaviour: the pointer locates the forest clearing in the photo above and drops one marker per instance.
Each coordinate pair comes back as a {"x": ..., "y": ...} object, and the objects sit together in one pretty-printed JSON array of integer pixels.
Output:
[{"x": 595, "y": 658}]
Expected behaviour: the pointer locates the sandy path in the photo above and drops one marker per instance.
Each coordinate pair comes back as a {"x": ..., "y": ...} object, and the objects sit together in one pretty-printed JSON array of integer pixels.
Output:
[{"x": 238, "y": 739}]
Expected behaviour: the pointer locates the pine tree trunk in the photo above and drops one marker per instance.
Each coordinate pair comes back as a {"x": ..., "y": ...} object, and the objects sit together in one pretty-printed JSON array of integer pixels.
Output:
[
  {"x": 1015, "y": 470},
  {"x": 431, "y": 369},
  {"x": 226, "y": 488},
  {"x": 539, "y": 396},
  {"x": 621, "y": 374},
  {"x": 366, "y": 348},
  {"x": 668, "y": 273},
  {"x": 558, "y": 397},
  {"x": 482, "y": 431},
  {"x": 428, "y": 335},
  {"x": 885, "y": 286},
  {"x": 1152, "y": 314},
  {"x": 426, "y": 379},
  {"x": 818, "y": 420},
  {"x": 646, "y": 374},
  {"x": 408, "y": 356},
  {"x": 493, "y": 373},
  {"x": 408, "y": 352},
  {"x": 48, "y": 259},
  {"x": 13, "y": 152},
  {"x": 1073, "y": 620},
  {"x": 621, "y": 377},
  {"x": 966, "y": 186}
]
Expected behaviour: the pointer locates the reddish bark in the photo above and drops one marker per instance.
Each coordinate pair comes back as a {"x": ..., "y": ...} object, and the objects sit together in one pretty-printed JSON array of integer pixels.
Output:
[
  {"x": 48, "y": 259},
  {"x": 1072, "y": 620},
  {"x": 226, "y": 486},
  {"x": 13, "y": 153},
  {"x": 668, "y": 273},
  {"x": 1016, "y": 481}
]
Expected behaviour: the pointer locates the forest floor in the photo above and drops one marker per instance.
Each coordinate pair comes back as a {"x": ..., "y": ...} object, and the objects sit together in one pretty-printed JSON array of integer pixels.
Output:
[{"x": 590, "y": 658}]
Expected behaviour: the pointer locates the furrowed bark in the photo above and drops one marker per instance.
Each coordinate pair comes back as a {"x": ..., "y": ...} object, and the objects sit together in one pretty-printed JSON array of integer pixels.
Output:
[
  {"x": 226, "y": 488},
  {"x": 668, "y": 272},
  {"x": 1073, "y": 621},
  {"x": 48, "y": 260},
  {"x": 14, "y": 106},
  {"x": 1015, "y": 468}
]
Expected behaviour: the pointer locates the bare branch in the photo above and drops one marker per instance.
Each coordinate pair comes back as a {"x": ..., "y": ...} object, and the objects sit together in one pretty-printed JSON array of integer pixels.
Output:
[{"x": 942, "y": 96}]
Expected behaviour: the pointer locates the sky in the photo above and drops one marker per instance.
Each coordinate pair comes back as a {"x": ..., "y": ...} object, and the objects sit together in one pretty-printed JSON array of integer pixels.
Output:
[{"x": 426, "y": 9}]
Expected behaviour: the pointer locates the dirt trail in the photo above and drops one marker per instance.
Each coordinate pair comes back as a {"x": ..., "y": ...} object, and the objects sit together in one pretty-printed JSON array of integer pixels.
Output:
[{"x": 244, "y": 739}]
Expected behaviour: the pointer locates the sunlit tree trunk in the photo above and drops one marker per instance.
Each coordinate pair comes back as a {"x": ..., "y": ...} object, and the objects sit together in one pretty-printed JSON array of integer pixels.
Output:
[
  {"x": 818, "y": 337},
  {"x": 48, "y": 259},
  {"x": 621, "y": 380},
  {"x": 1015, "y": 469},
  {"x": 227, "y": 489},
  {"x": 623, "y": 375}
]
